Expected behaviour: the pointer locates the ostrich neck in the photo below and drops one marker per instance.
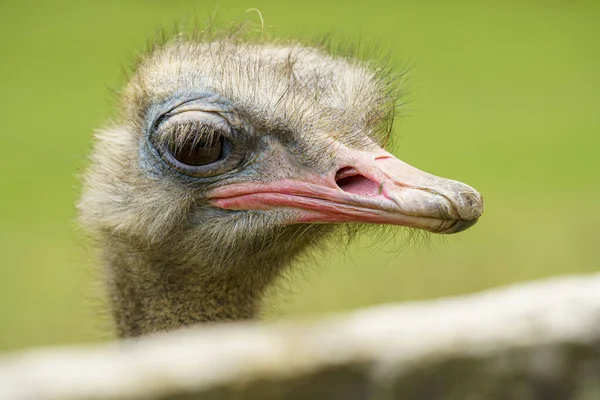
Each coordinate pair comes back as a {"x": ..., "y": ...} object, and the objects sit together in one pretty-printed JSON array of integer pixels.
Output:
[{"x": 148, "y": 294}]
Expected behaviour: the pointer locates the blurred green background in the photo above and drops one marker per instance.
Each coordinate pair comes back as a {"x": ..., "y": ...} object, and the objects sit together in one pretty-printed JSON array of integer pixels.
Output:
[{"x": 504, "y": 95}]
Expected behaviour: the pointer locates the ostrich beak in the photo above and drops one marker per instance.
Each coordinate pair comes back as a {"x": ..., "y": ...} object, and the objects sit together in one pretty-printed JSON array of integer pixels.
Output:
[{"x": 365, "y": 187}]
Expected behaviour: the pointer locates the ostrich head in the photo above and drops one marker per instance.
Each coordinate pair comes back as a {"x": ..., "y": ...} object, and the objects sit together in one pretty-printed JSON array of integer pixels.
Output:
[{"x": 231, "y": 158}]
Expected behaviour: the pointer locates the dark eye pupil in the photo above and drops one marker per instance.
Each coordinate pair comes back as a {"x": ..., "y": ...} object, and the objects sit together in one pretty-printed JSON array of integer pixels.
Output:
[{"x": 201, "y": 152}]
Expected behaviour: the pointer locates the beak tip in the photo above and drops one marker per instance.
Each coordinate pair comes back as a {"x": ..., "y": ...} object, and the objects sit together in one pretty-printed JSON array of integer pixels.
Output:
[{"x": 470, "y": 205}]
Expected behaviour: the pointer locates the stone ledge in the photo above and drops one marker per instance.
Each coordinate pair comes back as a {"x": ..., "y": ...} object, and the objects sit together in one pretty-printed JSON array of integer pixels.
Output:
[{"x": 538, "y": 340}]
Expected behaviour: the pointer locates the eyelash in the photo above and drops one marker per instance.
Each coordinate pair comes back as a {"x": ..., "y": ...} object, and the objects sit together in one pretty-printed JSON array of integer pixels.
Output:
[{"x": 183, "y": 132}]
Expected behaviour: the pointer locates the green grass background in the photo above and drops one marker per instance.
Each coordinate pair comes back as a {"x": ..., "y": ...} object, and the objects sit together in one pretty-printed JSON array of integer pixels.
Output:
[{"x": 505, "y": 96}]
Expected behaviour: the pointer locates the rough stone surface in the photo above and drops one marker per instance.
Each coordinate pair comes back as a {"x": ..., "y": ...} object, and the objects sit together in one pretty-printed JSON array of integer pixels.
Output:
[{"x": 531, "y": 341}]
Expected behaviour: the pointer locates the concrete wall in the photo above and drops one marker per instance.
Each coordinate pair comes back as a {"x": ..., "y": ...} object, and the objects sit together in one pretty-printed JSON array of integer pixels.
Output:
[{"x": 532, "y": 341}]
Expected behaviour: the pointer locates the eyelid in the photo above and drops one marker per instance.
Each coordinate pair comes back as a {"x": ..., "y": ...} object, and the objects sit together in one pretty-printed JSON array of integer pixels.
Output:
[
  {"x": 226, "y": 111},
  {"x": 205, "y": 118},
  {"x": 195, "y": 106}
]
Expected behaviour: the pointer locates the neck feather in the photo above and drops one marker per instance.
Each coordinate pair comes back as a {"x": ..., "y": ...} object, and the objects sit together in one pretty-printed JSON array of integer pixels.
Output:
[{"x": 149, "y": 293}]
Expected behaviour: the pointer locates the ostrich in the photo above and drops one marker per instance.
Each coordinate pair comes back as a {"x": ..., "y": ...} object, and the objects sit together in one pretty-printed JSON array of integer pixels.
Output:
[{"x": 230, "y": 158}]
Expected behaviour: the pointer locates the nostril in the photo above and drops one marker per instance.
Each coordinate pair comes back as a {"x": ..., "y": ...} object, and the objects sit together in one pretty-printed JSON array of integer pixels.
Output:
[
  {"x": 345, "y": 172},
  {"x": 350, "y": 181}
]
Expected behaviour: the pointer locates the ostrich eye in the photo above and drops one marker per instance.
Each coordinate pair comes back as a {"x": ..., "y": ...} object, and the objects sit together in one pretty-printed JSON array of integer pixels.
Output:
[
  {"x": 197, "y": 143},
  {"x": 199, "y": 152}
]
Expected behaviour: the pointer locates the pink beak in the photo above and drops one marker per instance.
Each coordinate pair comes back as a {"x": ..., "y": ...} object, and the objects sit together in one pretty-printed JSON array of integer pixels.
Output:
[{"x": 365, "y": 187}]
